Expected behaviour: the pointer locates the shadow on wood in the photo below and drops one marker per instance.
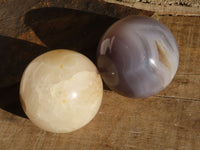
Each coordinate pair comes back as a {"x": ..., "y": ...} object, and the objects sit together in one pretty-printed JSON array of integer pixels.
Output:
[
  {"x": 9, "y": 100},
  {"x": 69, "y": 29},
  {"x": 15, "y": 55}
]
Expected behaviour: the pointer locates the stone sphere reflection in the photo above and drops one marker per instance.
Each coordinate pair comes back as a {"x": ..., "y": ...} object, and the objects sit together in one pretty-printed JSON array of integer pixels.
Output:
[{"x": 137, "y": 57}]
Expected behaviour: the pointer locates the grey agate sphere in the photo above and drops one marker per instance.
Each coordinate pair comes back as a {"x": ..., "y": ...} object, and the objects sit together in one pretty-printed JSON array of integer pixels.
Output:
[{"x": 137, "y": 57}]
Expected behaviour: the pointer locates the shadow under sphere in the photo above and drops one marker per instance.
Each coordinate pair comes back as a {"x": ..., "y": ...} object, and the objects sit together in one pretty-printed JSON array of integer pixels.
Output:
[
  {"x": 15, "y": 55},
  {"x": 69, "y": 29}
]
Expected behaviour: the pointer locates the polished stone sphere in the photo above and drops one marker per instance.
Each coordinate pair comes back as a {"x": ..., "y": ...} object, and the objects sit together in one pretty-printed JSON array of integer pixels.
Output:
[
  {"x": 61, "y": 91},
  {"x": 137, "y": 57}
]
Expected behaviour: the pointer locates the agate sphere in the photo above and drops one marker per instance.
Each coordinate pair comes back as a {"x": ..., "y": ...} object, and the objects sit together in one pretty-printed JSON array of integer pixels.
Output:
[
  {"x": 137, "y": 56},
  {"x": 61, "y": 91}
]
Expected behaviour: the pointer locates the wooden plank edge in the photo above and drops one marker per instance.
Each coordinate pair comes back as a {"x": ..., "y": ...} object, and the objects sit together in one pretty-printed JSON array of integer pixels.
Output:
[{"x": 161, "y": 10}]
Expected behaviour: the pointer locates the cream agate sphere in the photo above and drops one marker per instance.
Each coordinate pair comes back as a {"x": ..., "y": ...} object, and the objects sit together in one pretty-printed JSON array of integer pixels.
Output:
[{"x": 61, "y": 91}]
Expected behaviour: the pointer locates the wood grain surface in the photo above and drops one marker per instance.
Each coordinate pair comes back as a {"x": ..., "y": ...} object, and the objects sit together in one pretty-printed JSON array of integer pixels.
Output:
[
  {"x": 164, "y": 7},
  {"x": 169, "y": 120}
]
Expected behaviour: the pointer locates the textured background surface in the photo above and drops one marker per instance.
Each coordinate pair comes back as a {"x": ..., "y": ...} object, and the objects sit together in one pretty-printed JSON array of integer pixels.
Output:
[
  {"x": 189, "y": 3},
  {"x": 172, "y": 7},
  {"x": 170, "y": 120}
]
